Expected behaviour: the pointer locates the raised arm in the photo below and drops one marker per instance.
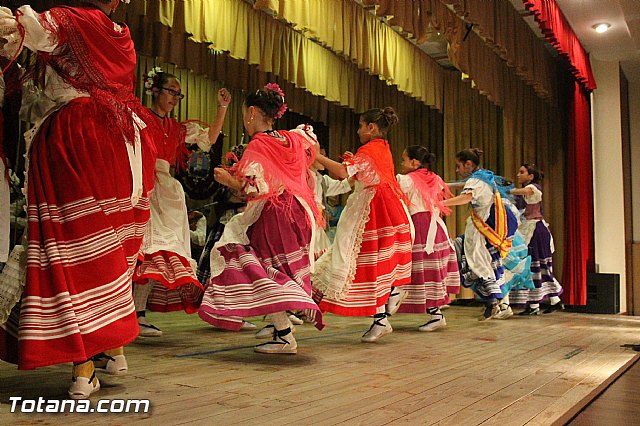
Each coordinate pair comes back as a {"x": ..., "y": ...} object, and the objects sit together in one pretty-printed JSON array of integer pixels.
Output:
[{"x": 224, "y": 99}]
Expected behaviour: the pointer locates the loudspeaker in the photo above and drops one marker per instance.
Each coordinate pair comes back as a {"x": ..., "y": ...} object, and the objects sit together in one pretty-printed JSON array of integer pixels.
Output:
[{"x": 603, "y": 294}]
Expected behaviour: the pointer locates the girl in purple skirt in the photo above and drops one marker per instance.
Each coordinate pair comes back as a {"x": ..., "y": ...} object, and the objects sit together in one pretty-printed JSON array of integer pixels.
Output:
[
  {"x": 262, "y": 263},
  {"x": 537, "y": 236},
  {"x": 434, "y": 271}
]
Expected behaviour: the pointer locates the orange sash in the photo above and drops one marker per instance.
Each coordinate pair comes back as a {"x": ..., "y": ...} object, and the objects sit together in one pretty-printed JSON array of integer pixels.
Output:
[{"x": 496, "y": 237}]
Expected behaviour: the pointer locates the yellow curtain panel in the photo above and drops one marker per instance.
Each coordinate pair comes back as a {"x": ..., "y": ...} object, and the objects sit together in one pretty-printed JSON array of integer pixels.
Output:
[{"x": 234, "y": 26}]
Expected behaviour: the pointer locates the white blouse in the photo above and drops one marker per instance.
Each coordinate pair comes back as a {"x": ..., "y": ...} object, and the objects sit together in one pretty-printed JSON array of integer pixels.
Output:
[
  {"x": 482, "y": 196},
  {"x": 326, "y": 186},
  {"x": 536, "y": 197},
  {"x": 197, "y": 134},
  {"x": 360, "y": 167},
  {"x": 417, "y": 204}
]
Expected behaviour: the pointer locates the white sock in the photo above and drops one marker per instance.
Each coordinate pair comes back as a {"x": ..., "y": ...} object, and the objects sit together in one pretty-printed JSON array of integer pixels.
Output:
[
  {"x": 534, "y": 305},
  {"x": 554, "y": 300},
  {"x": 140, "y": 295},
  {"x": 280, "y": 320},
  {"x": 433, "y": 312},
  {"x": 505, "y": 300}
]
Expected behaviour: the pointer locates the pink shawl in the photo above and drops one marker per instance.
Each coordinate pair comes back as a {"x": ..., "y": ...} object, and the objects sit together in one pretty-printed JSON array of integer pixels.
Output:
[
  {"x": 432, "y": 189},
  {"x": 285, "y": 166}
]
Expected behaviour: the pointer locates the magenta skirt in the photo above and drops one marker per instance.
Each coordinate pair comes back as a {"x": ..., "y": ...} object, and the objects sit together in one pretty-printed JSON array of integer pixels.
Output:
[
  {"x": 433, "y": 276},
  {"x": 271, "y": 274}
]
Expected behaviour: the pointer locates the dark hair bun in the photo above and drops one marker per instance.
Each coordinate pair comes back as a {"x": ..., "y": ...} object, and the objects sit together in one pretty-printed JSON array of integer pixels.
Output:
[
  {"x": 422, "y": 154},
  {"x": 391, "y": 116},
  {"x": 532, "y": 169},
  {"x": 268, "y": 101},
  {"x": 469, "y": 154},
  {"x": 383, "y": 118}
]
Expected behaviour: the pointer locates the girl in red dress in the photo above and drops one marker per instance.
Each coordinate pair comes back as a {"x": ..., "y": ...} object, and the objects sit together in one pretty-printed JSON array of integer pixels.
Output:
[{"x": 371, "y": 252}]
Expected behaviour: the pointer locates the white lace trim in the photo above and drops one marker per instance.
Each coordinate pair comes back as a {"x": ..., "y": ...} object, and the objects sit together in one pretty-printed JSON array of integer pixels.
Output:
[{"x": 335, "y": 273}]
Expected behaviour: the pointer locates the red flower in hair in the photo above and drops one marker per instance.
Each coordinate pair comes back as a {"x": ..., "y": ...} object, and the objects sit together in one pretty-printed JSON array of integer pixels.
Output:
[{"x": 273, "y": 87}]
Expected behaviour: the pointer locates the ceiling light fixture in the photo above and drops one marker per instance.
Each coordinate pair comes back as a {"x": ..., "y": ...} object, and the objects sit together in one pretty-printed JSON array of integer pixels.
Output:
[{"x": 601, "y": 28}]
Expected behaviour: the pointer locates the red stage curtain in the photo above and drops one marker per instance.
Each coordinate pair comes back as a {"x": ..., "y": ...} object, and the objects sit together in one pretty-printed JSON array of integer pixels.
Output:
[
  {"x": 560, "y": 35},
  {"x": 579, "y": 242}
]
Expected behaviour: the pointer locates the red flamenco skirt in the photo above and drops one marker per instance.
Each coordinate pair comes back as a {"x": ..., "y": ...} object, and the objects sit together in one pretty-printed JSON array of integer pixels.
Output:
[
  {"x": 84, "y": 235},
  {"x": 384, "y": 260}
]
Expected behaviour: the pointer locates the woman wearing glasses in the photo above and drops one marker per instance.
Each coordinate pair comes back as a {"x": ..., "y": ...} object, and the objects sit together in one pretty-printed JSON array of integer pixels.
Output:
[{"x": 165, "y": 273}]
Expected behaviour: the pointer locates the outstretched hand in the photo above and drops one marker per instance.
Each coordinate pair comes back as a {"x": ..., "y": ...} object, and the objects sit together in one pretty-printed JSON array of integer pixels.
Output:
[{"x": 224, "y": 97}]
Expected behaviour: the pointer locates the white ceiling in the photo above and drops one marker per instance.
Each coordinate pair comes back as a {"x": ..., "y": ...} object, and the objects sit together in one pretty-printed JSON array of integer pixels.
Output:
[{"x": 622, "y": 41}]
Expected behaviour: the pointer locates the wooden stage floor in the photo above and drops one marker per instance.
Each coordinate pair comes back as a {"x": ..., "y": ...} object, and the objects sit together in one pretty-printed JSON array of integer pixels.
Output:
[{"x": 525, "y": 370}]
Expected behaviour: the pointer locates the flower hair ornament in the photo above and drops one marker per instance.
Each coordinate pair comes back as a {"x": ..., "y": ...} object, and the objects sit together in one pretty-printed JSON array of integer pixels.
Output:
[
  {"x": 149, "y": 79},
  {"x": 273, "y": 87}
]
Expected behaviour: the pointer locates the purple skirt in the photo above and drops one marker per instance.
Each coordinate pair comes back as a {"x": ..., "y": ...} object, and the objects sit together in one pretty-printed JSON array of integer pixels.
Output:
[
  {"x": 271, "y": 274},
  {"x": 541, "y": 270},
  {"x": 433, "y": 276}
]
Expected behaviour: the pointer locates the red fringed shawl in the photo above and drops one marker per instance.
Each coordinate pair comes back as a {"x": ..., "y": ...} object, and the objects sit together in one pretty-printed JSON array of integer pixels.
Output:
[{"x": 100, "y": 48}]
